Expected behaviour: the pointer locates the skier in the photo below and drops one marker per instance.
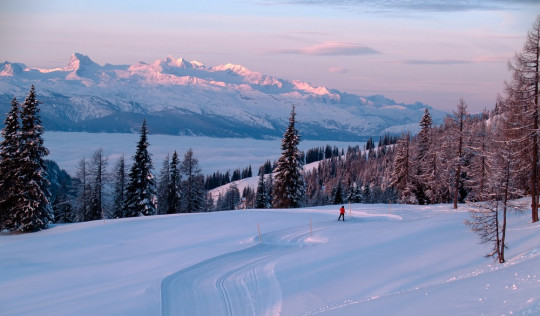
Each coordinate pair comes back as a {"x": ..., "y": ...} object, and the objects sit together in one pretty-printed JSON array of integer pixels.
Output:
[{"x": 341, "y": 213}]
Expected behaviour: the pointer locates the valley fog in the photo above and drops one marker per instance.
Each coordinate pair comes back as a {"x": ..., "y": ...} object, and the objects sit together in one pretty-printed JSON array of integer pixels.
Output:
[{"x": 214, "y": 154}]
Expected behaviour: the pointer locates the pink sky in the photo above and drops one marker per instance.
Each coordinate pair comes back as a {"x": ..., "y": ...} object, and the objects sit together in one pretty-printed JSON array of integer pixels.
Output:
[{"x": 430, "y": 51}]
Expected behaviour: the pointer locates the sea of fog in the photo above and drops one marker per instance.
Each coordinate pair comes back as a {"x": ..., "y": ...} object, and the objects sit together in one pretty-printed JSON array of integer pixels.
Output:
[{"x": 214, "y": 154}]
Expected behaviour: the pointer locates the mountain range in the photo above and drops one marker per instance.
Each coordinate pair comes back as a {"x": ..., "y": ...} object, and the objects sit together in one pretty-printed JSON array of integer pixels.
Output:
[{"x": 181, "y": 97}]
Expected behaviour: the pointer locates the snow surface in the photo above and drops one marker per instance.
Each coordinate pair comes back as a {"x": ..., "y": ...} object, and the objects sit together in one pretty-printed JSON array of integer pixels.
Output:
[{"x": 383, "y": 260}]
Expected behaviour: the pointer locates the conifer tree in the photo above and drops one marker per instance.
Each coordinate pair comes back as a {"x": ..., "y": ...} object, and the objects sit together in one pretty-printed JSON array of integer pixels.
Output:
[
  {"x": 337, "y": 194},
  {"x": 63, "y": 209},
  {"x": 366, "y": 194},
  {"x": 354, "y": 195},
  {"x": 83, "y": 192},
  {"x": 33, "y": 211},
  {"x": 440, "y": 178},
  {"x": 9, "y": 162},
  {"x": 402, "y": 174},
  {"x": 289, "y": 187},
  {"x": 98, "y": 177},
  {"x": 163, "y": 187},
  {"x": 174, "y": 191},
  {"x": 120, "y": 188},
  {"x": 193, "y": 184},
  {"x": 141, "y": 188},
  {"x": 460, "y": 117},
  {"x": 260, "y": 196},
  {"x": 209, "y": 203},
  {"x": 248, "y": 197},
  {"x": 422, "y": 161},
  {"x": 269, "y": 187},
  {"x": 231, "y": 198},
  {"x": 479, "y": 167}
]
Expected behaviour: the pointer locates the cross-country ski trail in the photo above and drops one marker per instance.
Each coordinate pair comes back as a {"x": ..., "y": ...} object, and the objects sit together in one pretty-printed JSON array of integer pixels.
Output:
[{"x": 237, "y": 283}]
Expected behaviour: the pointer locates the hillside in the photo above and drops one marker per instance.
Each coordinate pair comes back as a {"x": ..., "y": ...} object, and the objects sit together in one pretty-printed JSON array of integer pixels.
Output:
[
  {"x": 383, "y": 260},
  {"x": 181, "y": 97}
]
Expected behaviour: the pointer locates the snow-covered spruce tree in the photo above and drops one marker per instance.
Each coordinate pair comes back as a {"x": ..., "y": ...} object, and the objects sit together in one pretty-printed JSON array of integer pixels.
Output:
[
  {"x": 366, "y": 194},
  {"x": 337, "y": 194},
  {"x": 402, "y": 177},
  {"x": 260, "y": 195},
  {"x": 174, "y": 191},
  {"x": 163, "y": 186},
  {"x": 9, "y": 162},
  {"x": 141, "y": 189},
  {"x": 289, "y": 187},
  {"x": 354, "y": 195},
  {"x": 522, "y": 97},
  {"x": 269, "y": 187},
  {"x": 193, "y": 194},
  {"x": 120, "y": 184},
  {"x": 33, "y": 211},
  {"x": 422, "y": 161}
]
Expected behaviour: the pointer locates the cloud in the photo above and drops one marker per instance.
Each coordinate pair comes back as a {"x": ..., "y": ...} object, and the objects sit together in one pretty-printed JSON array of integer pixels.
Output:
[
  {"x": 330, "y": 49},
  {"x": 338, "y": 70},
  {"x": 436, "y": 62},
  {"x": 414, "y": 5},
  {"x": 446, "y": 62},
  {"x": 491, "y": 59}
]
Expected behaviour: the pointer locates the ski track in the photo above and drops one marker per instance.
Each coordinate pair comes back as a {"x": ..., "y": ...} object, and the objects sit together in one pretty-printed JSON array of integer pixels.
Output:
[{"x": 238, "y": 283}]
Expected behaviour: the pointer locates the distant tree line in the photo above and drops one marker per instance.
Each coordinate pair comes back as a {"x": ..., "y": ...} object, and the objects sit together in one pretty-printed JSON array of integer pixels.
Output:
[
  {"x": 321, "y": 184},
  {"x": 218, "y": 179}
]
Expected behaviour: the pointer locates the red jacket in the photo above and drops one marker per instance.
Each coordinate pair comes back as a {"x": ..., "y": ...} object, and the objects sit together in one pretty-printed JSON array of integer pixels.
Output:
[{"x": 342, "y": 210}]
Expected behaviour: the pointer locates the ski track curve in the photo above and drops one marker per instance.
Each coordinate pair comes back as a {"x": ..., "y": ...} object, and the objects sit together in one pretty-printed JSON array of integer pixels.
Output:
[{"x": 242, "y": 282}]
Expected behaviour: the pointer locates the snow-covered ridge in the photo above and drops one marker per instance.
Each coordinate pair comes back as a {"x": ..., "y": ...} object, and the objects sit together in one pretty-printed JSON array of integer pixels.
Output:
[
  {"x": 184, "y": 97},
  {"x": 161, "y": 71}
]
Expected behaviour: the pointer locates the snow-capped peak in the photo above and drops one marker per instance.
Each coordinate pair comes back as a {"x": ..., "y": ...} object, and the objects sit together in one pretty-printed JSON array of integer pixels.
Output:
[
  {"x": 8, "y": 69},
  {"x": 180, "y": 63},
  {"x": 251, "y": 103},
  {"x": 238, "y": 69},
  {"x": 78, "y": 62}
]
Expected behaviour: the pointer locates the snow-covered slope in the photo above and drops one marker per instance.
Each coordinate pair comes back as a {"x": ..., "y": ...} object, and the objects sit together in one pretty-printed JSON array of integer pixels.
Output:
[
  {"x": 250, "y": 182},
  {"x": 183, "y": 97},
  {"x": 383, "y": 260}
]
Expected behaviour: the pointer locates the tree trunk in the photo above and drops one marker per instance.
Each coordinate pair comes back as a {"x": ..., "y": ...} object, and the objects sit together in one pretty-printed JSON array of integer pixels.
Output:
[
  {"x": 505, "y": 207},
  {"x": 503, "y": 235},
  {"x": 534, "y": 178},
  {"x": 499, "y": 241},
  {"x": 456, "y": 189},
  {"x": 460, "y": 149}
]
